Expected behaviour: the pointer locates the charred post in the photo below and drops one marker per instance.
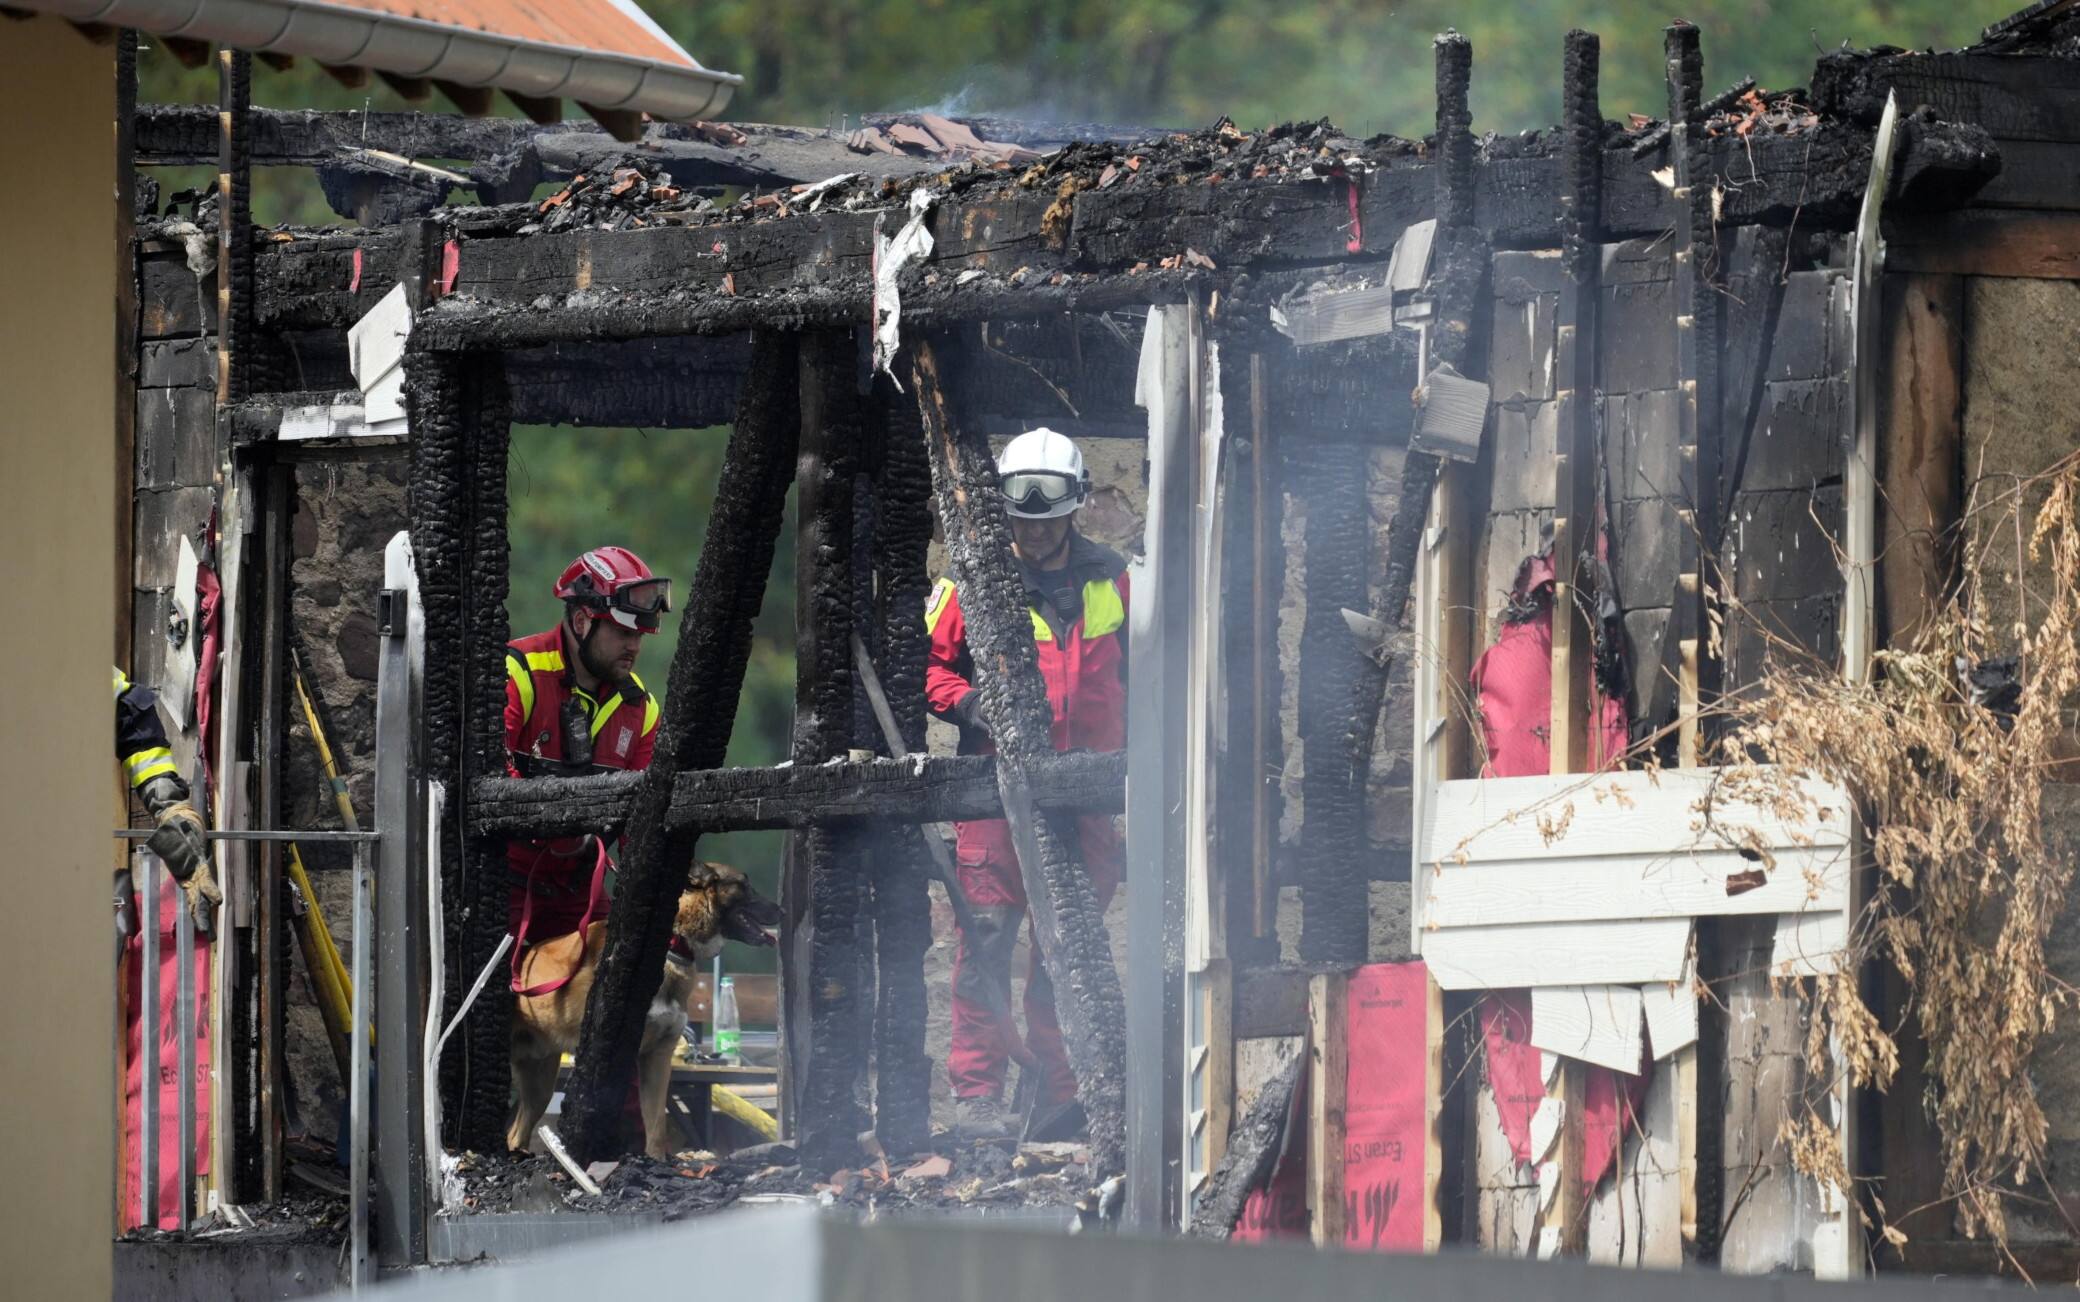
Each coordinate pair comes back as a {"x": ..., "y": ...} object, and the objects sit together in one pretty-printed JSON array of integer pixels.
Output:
[
  {"x": 902, "y": 905},
  {"x": 828, "y": 858},
  {"x": 1253, "y": 1153},
  {"x": 1254, "y": 556},
  {"x": 1575, "y": 465},
  {"x": 234, "y": 223},
  {"x": 1335, "y": 926},
  {"x": 456, "y": 405},
  {"x": 701, "y": 691},
  {"x": 1066, "y": 917},
  {"x": 1460, "y": 263}
]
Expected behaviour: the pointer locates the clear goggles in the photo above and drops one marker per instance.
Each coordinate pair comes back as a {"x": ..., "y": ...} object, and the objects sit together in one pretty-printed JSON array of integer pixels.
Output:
[
  {"x": 638, "y": 605},
  {"x": 1035, "y": 491}
]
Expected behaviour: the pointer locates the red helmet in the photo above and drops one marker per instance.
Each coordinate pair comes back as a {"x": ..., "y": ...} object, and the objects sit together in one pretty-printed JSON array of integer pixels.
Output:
[{"x": 614, "y": 581}]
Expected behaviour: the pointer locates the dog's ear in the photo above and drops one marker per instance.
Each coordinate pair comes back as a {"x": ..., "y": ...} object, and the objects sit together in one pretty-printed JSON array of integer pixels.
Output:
[{"x": 701, "y": 873}]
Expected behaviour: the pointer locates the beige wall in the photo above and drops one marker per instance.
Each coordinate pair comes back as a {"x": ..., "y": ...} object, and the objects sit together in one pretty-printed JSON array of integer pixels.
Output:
[{"x": 57, "y": 487}]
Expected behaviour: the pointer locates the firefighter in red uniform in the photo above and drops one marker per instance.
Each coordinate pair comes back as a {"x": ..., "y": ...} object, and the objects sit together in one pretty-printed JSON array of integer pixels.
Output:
[
  {"x": 1077, "y": 591},
  {"x": 148, "y": 770},
  {"x": 575, "y": 706}
]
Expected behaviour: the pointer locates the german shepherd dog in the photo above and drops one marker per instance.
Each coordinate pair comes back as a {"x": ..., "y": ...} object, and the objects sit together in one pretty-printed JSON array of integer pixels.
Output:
[{"x": 718, "y": 904}]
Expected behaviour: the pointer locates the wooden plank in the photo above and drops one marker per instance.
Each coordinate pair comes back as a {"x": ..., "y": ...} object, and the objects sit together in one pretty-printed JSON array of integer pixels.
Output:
[
  {"x": 1328, "y": 1009},
  {"x": 1671, "y": 1013},
  {"x": 1634, "y": 812},
  {"x": 1558, "y": 954},
  {"x": 1981, "y": 242},
  {"x": 1601, "y": 1024},
  {"x": 1920, "y": 429},
  {"x": 1810, "y": 943},
  {"x": 1213, "y": 1111},
  {"x": 1597, "y": 887},
  {"x": 1433, "y": 1113},
  {"x": 1683, "y": 1073},
  {"x": 1633, "y": 1217}
]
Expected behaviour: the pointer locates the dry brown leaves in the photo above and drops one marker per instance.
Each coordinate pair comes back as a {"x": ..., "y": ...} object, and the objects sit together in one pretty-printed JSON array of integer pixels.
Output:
[{"x": 1950, "y": 793}]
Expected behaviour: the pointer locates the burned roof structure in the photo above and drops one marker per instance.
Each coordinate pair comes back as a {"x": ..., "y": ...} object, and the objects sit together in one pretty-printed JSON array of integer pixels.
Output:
[{"x": 1661, "y": 314}]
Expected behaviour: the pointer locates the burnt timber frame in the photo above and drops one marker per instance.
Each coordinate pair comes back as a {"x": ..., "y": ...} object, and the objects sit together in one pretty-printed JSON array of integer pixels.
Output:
[{"x": 807, "y": 274}]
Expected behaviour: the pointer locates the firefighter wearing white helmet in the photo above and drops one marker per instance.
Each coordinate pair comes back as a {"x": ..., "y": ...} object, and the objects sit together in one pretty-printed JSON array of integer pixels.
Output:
[{"x": 1076, "y": 590}]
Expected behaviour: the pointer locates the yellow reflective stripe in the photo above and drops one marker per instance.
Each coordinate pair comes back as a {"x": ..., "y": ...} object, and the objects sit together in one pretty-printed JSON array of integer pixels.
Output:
[
  {"x": 942, "y": 592},
  {"x": 122, "y": 682},
  {"x": 1103, "y": 611},
  {"x": 1041, "y": 632},
  {"x": 145, "y": 765},
  {"x": 650, "y": 710},
  {"x": 523, "y": 682},
  {"x": 548, "y": 661},
  {"x": 600, "y": 717}
]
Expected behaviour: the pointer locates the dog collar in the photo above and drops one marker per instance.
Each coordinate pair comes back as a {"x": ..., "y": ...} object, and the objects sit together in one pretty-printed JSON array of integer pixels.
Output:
[{"x": 679, "y": 951}]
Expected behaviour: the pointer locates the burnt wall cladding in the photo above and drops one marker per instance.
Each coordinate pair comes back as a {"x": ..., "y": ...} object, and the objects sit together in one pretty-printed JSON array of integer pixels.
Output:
[{"x": 1783, "y": 469}]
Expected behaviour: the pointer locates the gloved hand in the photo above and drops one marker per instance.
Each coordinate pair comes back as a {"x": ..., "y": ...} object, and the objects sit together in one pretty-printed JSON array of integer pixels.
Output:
[
  {"x": 179, "y": 841},
  {"x": 968, "y": 710}
]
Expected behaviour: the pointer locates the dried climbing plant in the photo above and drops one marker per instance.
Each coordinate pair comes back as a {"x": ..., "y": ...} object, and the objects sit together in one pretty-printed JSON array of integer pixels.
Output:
[{"x": 1947, "y": 773}]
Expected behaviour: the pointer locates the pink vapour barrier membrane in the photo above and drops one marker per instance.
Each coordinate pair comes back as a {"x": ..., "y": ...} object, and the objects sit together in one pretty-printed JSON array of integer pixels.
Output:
[
  {"x": 167, "y": 1062},
  {"x": 1384, "y": 1124},
  {"x": 1514, "y": 681}
]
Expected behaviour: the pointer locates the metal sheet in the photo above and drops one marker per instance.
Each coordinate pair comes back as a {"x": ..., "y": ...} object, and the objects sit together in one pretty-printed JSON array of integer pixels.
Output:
[{"x": 400, "y": 941}]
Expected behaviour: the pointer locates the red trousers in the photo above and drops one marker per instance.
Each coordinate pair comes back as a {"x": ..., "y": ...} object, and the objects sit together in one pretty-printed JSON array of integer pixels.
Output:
[{"x": 990, "y": 878}]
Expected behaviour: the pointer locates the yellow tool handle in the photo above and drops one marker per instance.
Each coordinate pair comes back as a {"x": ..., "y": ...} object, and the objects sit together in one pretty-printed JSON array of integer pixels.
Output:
[
  {"x": 322, "y": 938},
  {"x": 743, "y": 1111},
  {"x": 340, "y": 795}
]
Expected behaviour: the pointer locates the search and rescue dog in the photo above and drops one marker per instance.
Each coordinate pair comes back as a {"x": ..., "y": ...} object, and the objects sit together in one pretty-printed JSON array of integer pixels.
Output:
[{"x": 718, "y": 904}]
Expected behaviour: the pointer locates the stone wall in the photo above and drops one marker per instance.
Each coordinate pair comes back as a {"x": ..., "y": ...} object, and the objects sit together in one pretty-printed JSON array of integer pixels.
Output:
[{"x": 346, "y": 513}]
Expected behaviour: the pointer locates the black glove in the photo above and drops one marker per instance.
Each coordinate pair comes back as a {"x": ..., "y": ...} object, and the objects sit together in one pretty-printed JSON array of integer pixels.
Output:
[{"x": 968, "y": 710}]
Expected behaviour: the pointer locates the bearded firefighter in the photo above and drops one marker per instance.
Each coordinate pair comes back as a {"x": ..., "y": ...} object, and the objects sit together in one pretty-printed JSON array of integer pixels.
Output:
[
  {"x": 1076, "y": 591},
  {"x": 574, "y": 706}
]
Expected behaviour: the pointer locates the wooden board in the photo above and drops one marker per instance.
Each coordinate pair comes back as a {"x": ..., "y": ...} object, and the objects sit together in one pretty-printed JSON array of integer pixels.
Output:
[
  {"x": 1628, "y": 952},
  {"x": 1808, "y": 944},
  {"x": 1979, "y": 242},
  {"x": 1671, "y": 1013},
  {"x": 1563, "y": 816},
  {"x": 1634, "y": 886},
  {"x": 1600, "y": 1024},
  {"x": 1328, "y": 1008},
  {"x": 1635, "y": 1217}
]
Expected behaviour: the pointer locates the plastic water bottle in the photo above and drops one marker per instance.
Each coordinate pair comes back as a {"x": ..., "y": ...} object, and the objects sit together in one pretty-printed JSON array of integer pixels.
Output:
[{"x": 729, "y": 1037}]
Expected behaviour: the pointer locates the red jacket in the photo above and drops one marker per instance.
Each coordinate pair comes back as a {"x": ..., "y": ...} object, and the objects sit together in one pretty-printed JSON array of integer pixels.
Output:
[
  {"x": 1084, "y": 665},
  {"x": 624, "y": 732}
]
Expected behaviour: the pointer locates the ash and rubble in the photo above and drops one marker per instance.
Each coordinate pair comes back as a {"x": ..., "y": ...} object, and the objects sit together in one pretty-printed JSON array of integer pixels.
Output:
[{"x": 958, "y": 1179}]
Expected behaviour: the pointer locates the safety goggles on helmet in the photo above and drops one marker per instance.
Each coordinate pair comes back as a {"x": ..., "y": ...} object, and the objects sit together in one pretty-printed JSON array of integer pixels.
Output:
[
  {"x": 639, "y": 603},
  {"x": 1040, "y": 494}
]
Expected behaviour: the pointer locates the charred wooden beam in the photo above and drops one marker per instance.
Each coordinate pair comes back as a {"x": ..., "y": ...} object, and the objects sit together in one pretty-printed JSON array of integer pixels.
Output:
[
  {"x": 457, "y": 510},
  {"x": 902, "y": 906},
  {"x": 477, "y": 323},
  {"x": 828, "y": 860},
  {"x": 1334, "y": 909},
  {"x": 505, "y": 151},
  {"x": 644, "y": 383},
  {"x": 721, "y": 279},
  {"x": 1066, "y": 917},
  {"x": 701, "y": 692},
  {"x": 1698, "y": 277},
  {"x": 940, "y": 789},
  {"x": 234, "y": 223},
  {"x": 1253, "y": 1152}
]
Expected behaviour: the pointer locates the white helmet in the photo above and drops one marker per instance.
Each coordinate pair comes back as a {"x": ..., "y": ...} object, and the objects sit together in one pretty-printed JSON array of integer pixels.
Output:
[{"x": 1041, "y": 475}]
